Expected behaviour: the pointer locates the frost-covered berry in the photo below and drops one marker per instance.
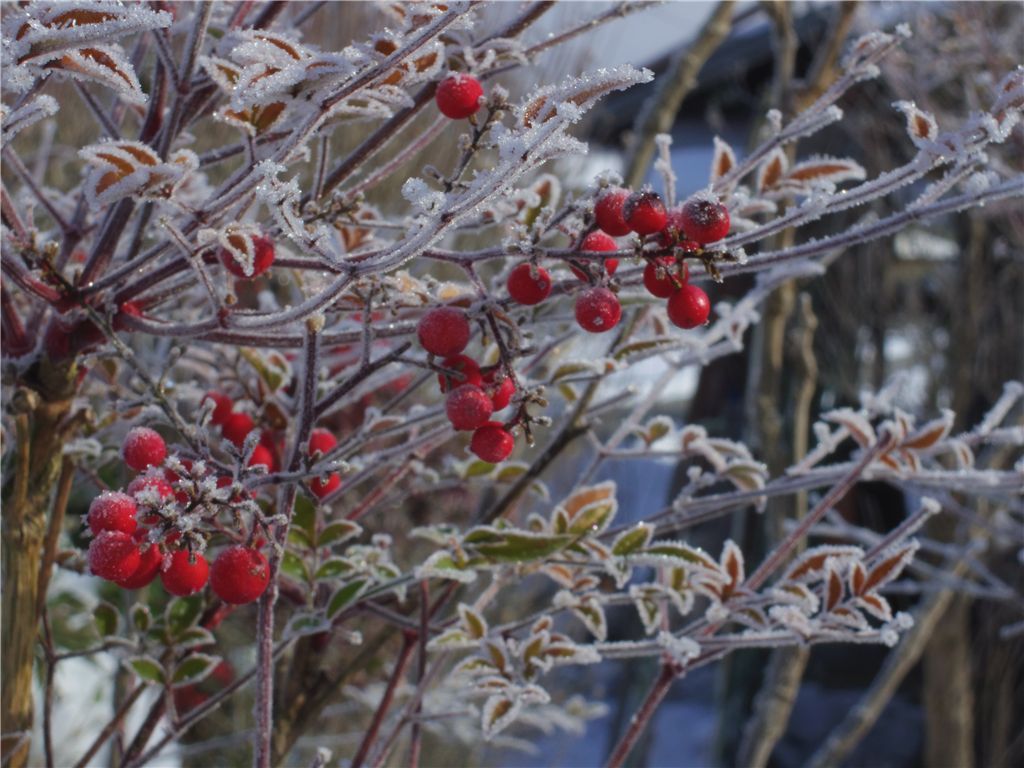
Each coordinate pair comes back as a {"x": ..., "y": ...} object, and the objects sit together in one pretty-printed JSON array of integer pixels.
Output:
[
  {"x": 322, "y": 488},
  {"x": 665, "y": 276},
  {"x": 150, "y": 483},
  {"x": 458, "y": 95},
  {"x": 645, "y": 213},
  {"x": 321, "y": 440},
  {"x": 598, "y": 241},
  {"x": 222, "y": 405},
  {"x": 113, "y": 555},
  {"x": 500, "y": 392},
  {"x": 143, "y": 448},
  {"x": 112, "y": 511},
  {"x": 183, "y": 576},
  {"x": 468, "y": 407},
  {"x": 236, "y": 427},
  {"x": 598, "y": 310},
  {"x": 262, "y": 455},
  {"x": 444, "y": 331},
  {"x": 689, "y": 307},
  {"x": 465, "y": 371},
  {"x": 263, "y": 257},
  {"x": 492, "y": 442},
  {"x": 705, "y": 221},
  {"x": 529, "y": 284},
  {"x": 150, "y": 560},
  {"x": 239, "y": 575},
  {"x": 608, "y": 212}
]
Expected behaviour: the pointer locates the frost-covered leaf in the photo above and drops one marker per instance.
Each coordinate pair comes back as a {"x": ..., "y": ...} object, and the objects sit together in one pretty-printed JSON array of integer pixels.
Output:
[
  {"x": 130, "y": 168},
  {"x": 193, "y": 669},
  {"x": 499, "y": 713},
  {"x": 810, "y": 566},
  {"x": 334, "y": 567},
  {"x": 676, "y": 553},
  {"x": 338, "y": 532},
  {"x": 723, "y": 161},
  {"x": 13, "y": 121},
  {"x": 921, "y": 126},
  {"x": 876, "y": 605},
  {"x": 633, "y": 539},
  {"x": 826, "y": 169},
  {"x": 146, "y": 668},
  {"x": 931, "y": 433},
  {"x": 772, "y": 170},
  {"x": 575, "y": 95},
  {"x": 474, "y": 623},
  {"x": 344, "y": 597},
  {"x": 441, "y": 565},
  {"x": 856, "y": 424},
  {"x": 514, "y": 546},
  {"x": 646, "y": 598},
  {"x": 182, "y": 613},
  {"x": 108, "y": 620},
  {"x": 194, "y": 637},
  {"x": 889, "y": 566}
]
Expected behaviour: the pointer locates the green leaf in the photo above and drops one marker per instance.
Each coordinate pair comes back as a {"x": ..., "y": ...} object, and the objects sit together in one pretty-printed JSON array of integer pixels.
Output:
[
  {"x": 522, "y": 547},
  {"x": 336, "y": 566},
  {"x": 304, "y": 518},
  {"x": 294, "y": 566},
  {"x": 441, "y": 565},
  {"x": 106, "y": 618},
  {"x": 338, "y": 532},
  {"x": 477, "y": 468},
  {"x": 141, "y": 617},
  {"x": 684, "y": 552},
  {"x": 344, "y": 597},
  {"x": 146, "y": 668},
  {"x": 194, "y": 637},
  {"x": 594, "y": 518},
  {"x": 306, "y": 624},
  {"x": 645, "y": 345},
  {"x": 194, "y": 668},
  {"x": 182, "y": 613},
  {"x": 632, "y": 540},
  {"x": 273, "y": 374},
  {"x": 299, "y": 538},
  {"x": 510, "y": 471}
]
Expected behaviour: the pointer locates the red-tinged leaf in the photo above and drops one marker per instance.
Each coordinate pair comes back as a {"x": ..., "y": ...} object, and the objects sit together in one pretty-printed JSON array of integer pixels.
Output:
[
  {"x": 857, "y": 578},
  {"x": 499, "y": 712},
  {"x": 280, "y": 42},
  {"x": 910, "y": 459},
  {"x": 828, "y": 169},
  {"x": 584, "y": 497},
  {"x": 753, "y": 616},
  {"x": 876, "y": 605},
  {"x": 890, "y": 567},
  {"x": 890, "y": 461},
  {"x": 496, "y": 651},
  {"x": 723, "y": 161},
  {"x": 732, "y": 563},
  {"x": 475, "y": 624},
  {"x": 856, "y": 424},
  {"x": 920, "y": 124},
  {"x": 771, "y": 170},
  {"x": 930, "y": 433},
  {"x": 812, "y": 563},
  {"x": 834, "y": 590},
  {"x": 964, "y": 455}
]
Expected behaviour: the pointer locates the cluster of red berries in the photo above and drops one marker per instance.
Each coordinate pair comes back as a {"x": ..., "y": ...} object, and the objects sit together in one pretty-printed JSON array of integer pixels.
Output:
[
  {"x": 129, "y": 554},
  {"x": 618, "y": 212},
  {"x": 473, "y": 394},
  {"x": 458, "y": 95}
]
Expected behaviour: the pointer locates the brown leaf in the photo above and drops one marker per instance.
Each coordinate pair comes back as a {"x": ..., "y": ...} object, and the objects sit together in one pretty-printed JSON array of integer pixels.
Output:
[
  {"x": 834, "y": 591},
  {"x": 723, "y": 160},
  {"x": 772, "y": 170},
  {"x": 586, "y": 496},
  {"x": 889, "y": 568}
]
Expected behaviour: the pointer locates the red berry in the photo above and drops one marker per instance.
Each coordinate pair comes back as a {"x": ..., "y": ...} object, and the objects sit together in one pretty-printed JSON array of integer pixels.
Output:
[
  {"x": 263, "y": 257},
  {"x": 239, "y": 575},
  {"x": 500, "y": 392},
  {"x": 466, "y": 372},
  {"x": 150, "y": 560},
  {"x": 458, "y": 95},
  {"x": 705, "y": 220},
  {"x": 321, "y": 488},
  {"x": 262, "y": 455},
  {"x": 182, "y": 577},
  {"x": 112, "y": 511},
  {"x": 444, "y": 331},
  {"x": 468, "y": 407},
  {"x": 608, "y": 212},
  {"x": 113, "y": 555},
  {"x": 598, "y": 310},
  {"x": 665, "y": 277},
  {"x": 142, "y": 448},
  {"x": 645, "y": 213},
  {"x": 689, "y": 307},
  {"x": 492, "y": 442},
  {"x": 236, "y": 427},
  {"x": 529, "y": 284},
  {"x": 321, "y": 440},
  {"x": 145, "y": 483},
  {"x": 598, "y": 241},
  {"x": 222, "y": 405}
]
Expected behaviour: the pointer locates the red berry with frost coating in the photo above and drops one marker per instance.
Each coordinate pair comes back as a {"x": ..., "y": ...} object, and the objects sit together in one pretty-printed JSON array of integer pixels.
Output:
[
  {"x": 466, "y": 371},
  {"x": 222, "y": 405},
  {"x": 262, "y": 455},
  {"x": 183, "y": 577},
  {"x": 263, "y": 257},
  {"x": 444, "y": 331},
  {"x": 599, "y": 241},
  {"x": 237, "y": 427},
  {"x": 608, "y": 212},
  {"x": 150, "y": 483},
  {"x": 468, "y": 407},
  {"x": 150, "y": 560},
  {"x": 239, "y": 575},
  {"x": 458, "y": 95},
  {"x": 143, "y": 448},
  {"x": 598, "y": 310},
  {"x": 645, "y": 213},
  {"x": 113, "y": 555},
  {"x": 705, "y": 220},
  {"x": 689, "y": 307},
  {"x": 665, "y": 277},
  {"x": 499, "y": 392},
  {"x": 529, "y": 284},
  {"x": 321, "y": 440},
  {"x": 321, "y": 488},
  {"x": 492, "y": 442},
  {"x": 112, "y": 511}
]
